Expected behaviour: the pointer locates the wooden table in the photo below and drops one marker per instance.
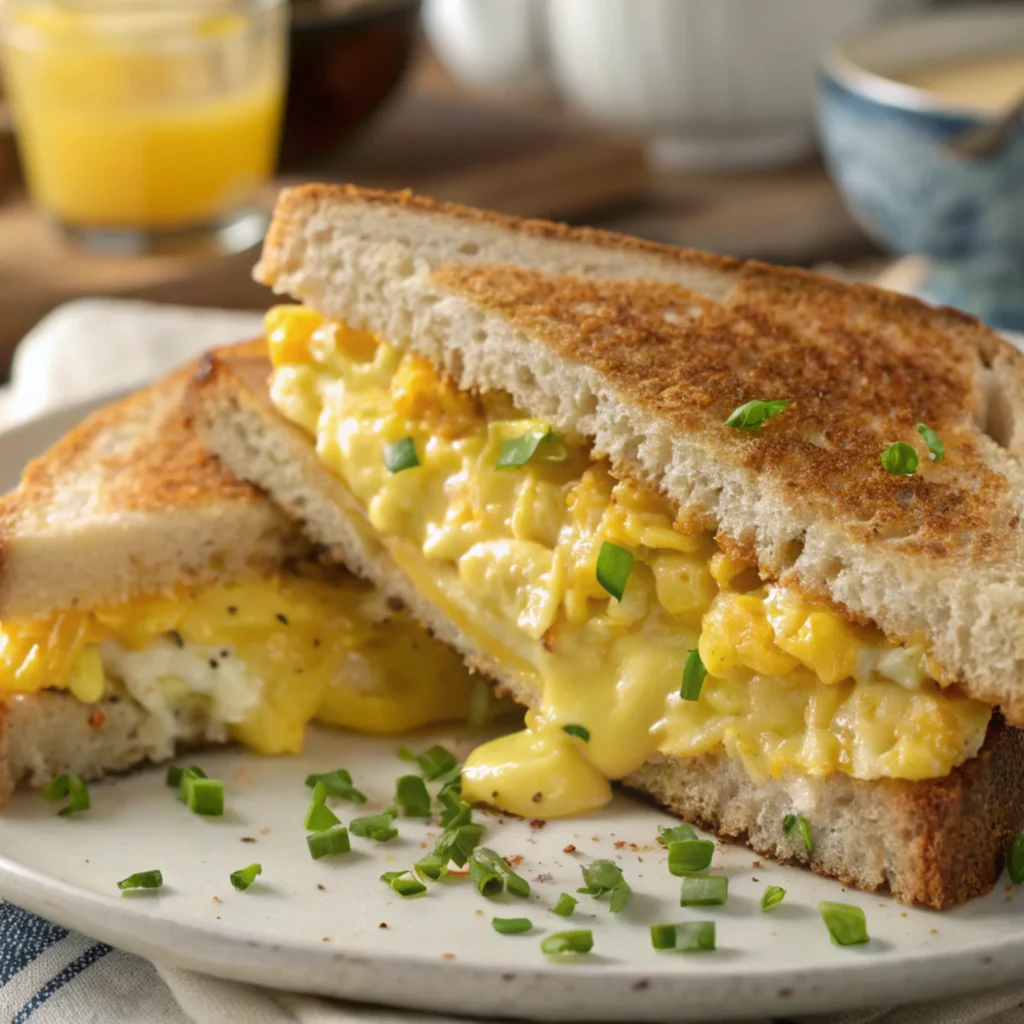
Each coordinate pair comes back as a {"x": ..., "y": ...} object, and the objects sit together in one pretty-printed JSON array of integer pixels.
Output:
[{"x": 440, "y": 142}]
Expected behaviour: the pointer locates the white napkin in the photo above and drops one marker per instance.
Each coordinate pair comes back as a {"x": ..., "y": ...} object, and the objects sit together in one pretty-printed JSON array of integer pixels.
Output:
[{"x": 96, "y": 347}]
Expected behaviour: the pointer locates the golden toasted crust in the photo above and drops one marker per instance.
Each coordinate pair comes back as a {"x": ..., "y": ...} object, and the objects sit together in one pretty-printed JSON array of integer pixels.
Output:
[
  {"x": 162, "y": 465},
  {"x": 862, "y": 368},
  {"x": 294, "y": 203}
]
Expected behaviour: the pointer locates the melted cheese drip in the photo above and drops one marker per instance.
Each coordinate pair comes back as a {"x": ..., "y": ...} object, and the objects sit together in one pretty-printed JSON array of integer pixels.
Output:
[
  {"x": 259, "y": 658},
  {"x": 510, "y": 556}
]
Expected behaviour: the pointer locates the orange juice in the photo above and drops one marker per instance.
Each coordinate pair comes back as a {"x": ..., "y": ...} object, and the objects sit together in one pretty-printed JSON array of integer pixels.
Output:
[{"x": 172, "y": 128}]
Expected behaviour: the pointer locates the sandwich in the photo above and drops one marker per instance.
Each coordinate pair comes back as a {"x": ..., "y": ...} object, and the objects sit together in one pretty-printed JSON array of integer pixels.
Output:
[
  {"x": 744, "y": 539},
  {"x": 151, "y": 602}
]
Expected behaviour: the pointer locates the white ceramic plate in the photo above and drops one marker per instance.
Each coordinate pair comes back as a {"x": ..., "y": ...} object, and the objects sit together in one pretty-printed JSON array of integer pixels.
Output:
[{"x": 319, "y": 926}]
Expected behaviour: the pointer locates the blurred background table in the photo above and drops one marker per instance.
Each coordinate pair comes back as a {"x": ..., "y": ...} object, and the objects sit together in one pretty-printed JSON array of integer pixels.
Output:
[{"x": 437, "y": 139}]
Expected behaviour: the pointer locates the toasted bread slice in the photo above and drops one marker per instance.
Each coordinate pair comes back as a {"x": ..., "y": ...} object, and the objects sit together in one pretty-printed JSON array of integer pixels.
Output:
[
  {"x": 647, "y": 349},
  {"x": 934, "y": 843},
  {"x": 130, "y": 502}
]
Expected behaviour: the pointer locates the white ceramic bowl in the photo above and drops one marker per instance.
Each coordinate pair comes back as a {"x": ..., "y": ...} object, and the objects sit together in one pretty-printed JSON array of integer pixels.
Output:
[{"x": 710, "y": 82}]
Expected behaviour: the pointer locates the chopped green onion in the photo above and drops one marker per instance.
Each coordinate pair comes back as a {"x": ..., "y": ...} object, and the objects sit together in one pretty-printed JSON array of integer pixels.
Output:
[
  {"x": 711, "y": 891},
  {"x": 328, "y": 841},
  {"x": 580, "y": 941},
  {"x": 485, "y": 864},
  {"x": 685, "y": 938},
  {"x": 899, "y": 459},
  {"x": 403, "y": 883},
  {"x": 142, "y": 880},
  {"x": 614, "y": 564},
  {"x": 458, "y": 842},
  {"x": 244, "y": 877},
  {"x": 337, "y": 783},
  {"x": 695, "y": 936},
  {"x": 517, "y": 451},
  {"x": 1015, "y": 860},
  {"x": 605, "y": 876},
  {"x": 688, "y": 855},
  {"x": 846, "y": 923},
  {"x": 72, "y": 787},
  {"x": 174, "y": 774},
  {"x": 401, "y": 455},
  {"x": 581, "y": 732},
  {"x": 750, "y": 416},
  {"x": 694, "y": 674},
  {"x": 450, "y": 799},
  {"x": 772, "y": 897},
  {"x": 676, "y": 834},
  {"x": 206, "y": 796},
  {"x": 433, "y": 763},
  {"x": 432, "y": 867},
  {"x": 511, "y": 925},
  {"x": 412, "y": 796},
  {"x": 802, "y": 825},
  {"x": 565, "y": 906},
  {"x": 933, "y": 442},
  {"x": 188, "y": 776},
  {"x": 379, "y": 827},
  {"x": 320, "y": 817}
]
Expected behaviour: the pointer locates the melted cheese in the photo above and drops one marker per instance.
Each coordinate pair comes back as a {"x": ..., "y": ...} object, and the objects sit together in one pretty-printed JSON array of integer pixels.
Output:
[
  {"x": 258, "y": 659},
  {"x": 510, "y": 555}
]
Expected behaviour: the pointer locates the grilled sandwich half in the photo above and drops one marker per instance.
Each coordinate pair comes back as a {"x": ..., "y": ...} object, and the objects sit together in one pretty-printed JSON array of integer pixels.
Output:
[
  {"x": 150, "y": 601},
  {"x": 747, "y": 539}
]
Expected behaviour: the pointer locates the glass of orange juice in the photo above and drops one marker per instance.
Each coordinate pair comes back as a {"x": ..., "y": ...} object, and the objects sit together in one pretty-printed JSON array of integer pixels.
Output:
[{"x": 147, "y": 124}]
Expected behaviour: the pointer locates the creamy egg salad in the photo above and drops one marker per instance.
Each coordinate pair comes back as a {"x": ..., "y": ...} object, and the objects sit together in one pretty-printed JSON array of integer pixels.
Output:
[
  {"x": 253, "y": 660},
  {"x": 510, "y": 553}
]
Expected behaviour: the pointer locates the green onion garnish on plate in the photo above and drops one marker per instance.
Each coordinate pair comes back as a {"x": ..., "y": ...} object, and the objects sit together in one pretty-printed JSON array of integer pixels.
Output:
[
  {"x": 337, "y": 783},
  {"x": 485, "y": 866},
  {"x": 603, "y": 876},
  {"x": 684, "y": 938},
  {"x": 244, "y": 877},
  {"x": 319, "y": 816},
  {"x": 328, "y": 842},
  {"x": 412, "y": 796},
  {"x": 403, "y": 883},
  {"x": 676, "y": 834},
  {"x": 614, "y": 565},
  {"x": 517, "y": 451},
  {"x": 174, "y": 773},
  {"x": 709, "y": 891},
  {"x": 206, "y": 796},
  {"x": 1015, "y": 860},
  {"x": 772, "y": 897},
  {"x": 899, "y": 459},
  {"x": 565, "y": 906},
  {"x": 846, "y": 923},
  {"x": 379, "y": 827},
  {"x": 686, "y": 856},
  {"x": 72, "y": 787},
  {"x": 142, "y": 880},
  {"x": 579, "y": 941},
  {"x": 932, "y": 441},
  {"x": 433, "y": 763},
  {"x": 185, "y": 780},
  {"x": 511, "y": 925}
]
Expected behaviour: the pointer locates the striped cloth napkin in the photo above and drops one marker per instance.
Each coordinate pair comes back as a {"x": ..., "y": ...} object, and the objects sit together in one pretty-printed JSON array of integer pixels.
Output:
[{"x": 49, "y": 975}]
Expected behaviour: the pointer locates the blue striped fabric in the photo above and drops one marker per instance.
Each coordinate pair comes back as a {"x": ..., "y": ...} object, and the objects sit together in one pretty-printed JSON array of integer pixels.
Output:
[{"x": 24, "y": 940}]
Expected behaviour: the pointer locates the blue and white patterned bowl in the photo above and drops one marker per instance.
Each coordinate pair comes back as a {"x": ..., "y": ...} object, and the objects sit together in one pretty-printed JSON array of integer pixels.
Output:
[{"x": 886, "y": 145}]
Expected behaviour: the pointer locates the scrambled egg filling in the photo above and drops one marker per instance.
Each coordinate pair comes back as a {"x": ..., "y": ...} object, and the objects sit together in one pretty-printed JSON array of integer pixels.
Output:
[
  {"x": 510, "y": 555},
  {"x": 254, "y": 660}
]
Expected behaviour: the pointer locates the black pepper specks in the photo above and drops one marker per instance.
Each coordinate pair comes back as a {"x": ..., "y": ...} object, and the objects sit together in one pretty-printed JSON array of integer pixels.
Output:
[
  {"x": 282, "y": 618},
  {"x": 175, "y": 637}
]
